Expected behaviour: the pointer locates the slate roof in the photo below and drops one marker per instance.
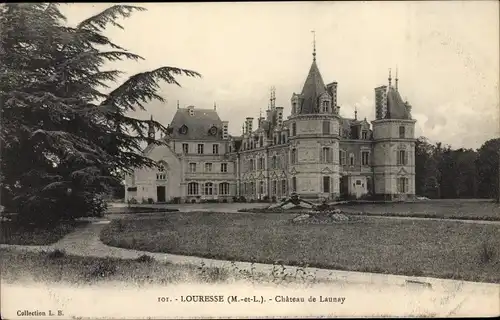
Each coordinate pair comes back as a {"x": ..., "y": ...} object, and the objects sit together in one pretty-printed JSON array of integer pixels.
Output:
[
  {"x": 198, "y": 125},
  {"x": 396, "y": 107},
  {"x": 313, "y": 88}
]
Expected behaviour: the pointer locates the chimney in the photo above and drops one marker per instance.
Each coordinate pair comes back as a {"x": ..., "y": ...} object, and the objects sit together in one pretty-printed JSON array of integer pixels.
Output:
[
  {"x": 225, "y": 130},
  {"x": 280, "y": 116},
  {"x": 380, "y": 102},
  {"x": 249, "y": 125},
  {"x": 191, "y": 110},
  {"x": 332, "y": 90}
]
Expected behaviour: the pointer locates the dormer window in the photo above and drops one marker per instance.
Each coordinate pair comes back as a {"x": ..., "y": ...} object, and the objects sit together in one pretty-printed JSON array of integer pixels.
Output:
[
  {"x": 364, "y": 135},
  {"x": 212, "y": 131},
  {"x": 183, "y": 129},
  {"x": 325, "y": 106}
]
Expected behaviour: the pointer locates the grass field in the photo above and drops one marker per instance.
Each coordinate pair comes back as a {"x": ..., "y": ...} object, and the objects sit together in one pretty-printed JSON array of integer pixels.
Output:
[
  {"x": 58, "y": 267},
  {"x": 13, "y": 233},
  {"x": 421, "y": 248},
  {"x": 447, "y": 209}
]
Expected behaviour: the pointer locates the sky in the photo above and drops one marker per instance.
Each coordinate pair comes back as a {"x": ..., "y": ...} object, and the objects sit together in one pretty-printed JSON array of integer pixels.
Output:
[{"x": 446, "y": 53}]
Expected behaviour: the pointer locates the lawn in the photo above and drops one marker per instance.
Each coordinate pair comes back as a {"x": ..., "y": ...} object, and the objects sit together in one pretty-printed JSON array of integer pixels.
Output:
[
  {"x": 422, "y": 248},
  {"x": 14, "y": 233},
  {"x": 447, "y": 209},
  {"x": 58, "y": 267}
]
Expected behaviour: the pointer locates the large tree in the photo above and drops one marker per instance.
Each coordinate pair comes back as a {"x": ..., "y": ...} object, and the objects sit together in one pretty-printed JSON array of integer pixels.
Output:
[
  {"x": 63, "y": 138},
  {"x": 488, "y": 169}
]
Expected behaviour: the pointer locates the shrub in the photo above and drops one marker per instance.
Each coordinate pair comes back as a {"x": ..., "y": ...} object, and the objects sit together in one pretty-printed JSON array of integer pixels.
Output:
[
  {"x": 243, "y": 199},
  {"x": 176, "y": 200},
  {"x": 235, "y": 199},
  {"x": 273, "y": 199},
  {"x": 144, "y": 201},
  {"x": 224, "y": 200},
  {"x": 144, "y": 258},
  {"x": 56, "y": 254},
  {"x": 150, "y": 201},
  {"x": 132, "y": 201},
  {"x": 265, "y": 199}
]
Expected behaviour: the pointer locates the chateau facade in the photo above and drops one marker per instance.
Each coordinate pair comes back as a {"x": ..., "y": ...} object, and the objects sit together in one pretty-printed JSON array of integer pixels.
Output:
[{"x": 314, "y": 152}]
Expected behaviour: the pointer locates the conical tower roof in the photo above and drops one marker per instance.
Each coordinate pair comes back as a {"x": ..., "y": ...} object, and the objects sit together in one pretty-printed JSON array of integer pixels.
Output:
[{"x": 313, "y": 88}]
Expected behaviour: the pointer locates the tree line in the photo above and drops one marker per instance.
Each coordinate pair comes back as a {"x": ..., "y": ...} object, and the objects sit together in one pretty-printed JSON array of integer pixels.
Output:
[{"x": 445, "y": 173}]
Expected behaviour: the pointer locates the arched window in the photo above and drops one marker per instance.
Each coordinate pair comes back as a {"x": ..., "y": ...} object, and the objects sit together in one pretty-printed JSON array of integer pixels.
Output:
[
  {"x": 261, "y": 187},
  {"x": 193, "y": 188},
  {"x": 294, "y": 129},
  {"x": 275, "y": 162},
  {"x": 161, "y": 174},
  {"x": 209, "y": 188}
]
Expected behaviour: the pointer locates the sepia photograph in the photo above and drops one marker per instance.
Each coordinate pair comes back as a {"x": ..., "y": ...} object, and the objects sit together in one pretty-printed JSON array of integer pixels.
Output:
[{"x": 206, "y": 160}]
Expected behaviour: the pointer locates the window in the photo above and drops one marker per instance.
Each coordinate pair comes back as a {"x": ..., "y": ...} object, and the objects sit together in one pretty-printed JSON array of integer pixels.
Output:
[
  {"x": 261, "y": 187},
  {"x": 251, "y": 164},
  {"x": 279, "y": 139},
  {"x": 326, "y": 155},
  {"x": 275, "y": 162},
  {"x": 261, "y": 141},
  {"x": 294, "y": 107},
  {"x": 252, "y": 187},
  {"x": 342, "y": 157},
  {"x": 208, "y": 167},
  {"x": 185, "y": 148},
  {"x": 402, "y": 157},
  {"x": 192, "y": 188},
  {"x": 215, "y": 149},
  {"x": 401, "y": 131},
  {"x": 293, "y": 156},
  {"x": 209, "y": 188},
  {"x": 261, "y": 163},
  {"x": 200, "y": 148},
  {"x": 230, "y": 148},
  {"x": 161, "y": 176},
  {"x": 325, "y": 106},
  {"x": 326, "y": 127},
  {"x": 351, "y": 159},
  {"x": 283, "y": 139},
  {"x": 283, "y": 187},
  {"x": 294, "y": 129},
  {"x": 223, "y": 167},
  {"x": 364, "y": 135},
  {"x": 403, "y": 185},
  {"x": 278, "y": 162},
  {"x": 224, "y": 188},
  {"x": 192, "y": 167},
  {"x": 294, "y": 184},
  {"x": 275, "y": 187},
  {"x": 326, "y": 184},
  {"x": 365, "y": 158}
]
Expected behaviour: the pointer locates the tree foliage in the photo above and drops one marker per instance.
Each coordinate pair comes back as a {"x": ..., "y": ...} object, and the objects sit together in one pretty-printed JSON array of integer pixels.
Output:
[
  {"x": 443, "y": 172},
  {"x": 66, "y": 135}
]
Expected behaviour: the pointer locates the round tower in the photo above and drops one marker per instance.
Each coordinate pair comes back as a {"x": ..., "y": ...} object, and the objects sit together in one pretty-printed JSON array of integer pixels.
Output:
[
  {"x": 314, "y": 140},
  {"x": 394, "y": 146}
]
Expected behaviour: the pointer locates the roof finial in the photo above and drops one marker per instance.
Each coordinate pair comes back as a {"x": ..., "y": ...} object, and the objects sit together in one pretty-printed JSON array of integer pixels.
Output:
[
  {"x": 355, "y": 113},
  {"x": 215, "y": 106},
  {"x": 390, "y": 77},
  {"x": 397, "y": 78},
  {"x": 177, "y": 104},
  {"x": 151, "y": 117},
  {"x": 314, "y": 44}
]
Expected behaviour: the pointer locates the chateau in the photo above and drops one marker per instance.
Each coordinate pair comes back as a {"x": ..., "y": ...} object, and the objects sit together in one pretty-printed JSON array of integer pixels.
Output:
[{"x": 314, "y": 152}]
